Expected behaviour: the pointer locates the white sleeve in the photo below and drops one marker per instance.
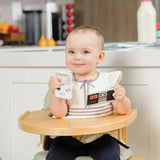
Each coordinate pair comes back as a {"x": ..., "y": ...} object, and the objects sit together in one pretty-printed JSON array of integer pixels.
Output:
[{"x": 114, "y": 77}]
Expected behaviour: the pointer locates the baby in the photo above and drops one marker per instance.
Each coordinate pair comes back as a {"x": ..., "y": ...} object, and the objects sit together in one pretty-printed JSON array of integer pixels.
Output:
[{"x": 84, "y": 50}]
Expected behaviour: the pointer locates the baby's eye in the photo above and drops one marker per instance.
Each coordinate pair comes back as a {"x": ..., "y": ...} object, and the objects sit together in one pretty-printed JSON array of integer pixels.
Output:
[
  {"x": 71, "y": 52},
  {"x": 85, "y": 52}
]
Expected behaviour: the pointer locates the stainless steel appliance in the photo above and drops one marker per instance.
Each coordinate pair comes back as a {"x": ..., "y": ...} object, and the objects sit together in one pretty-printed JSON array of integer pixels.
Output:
[
  {"x": 51, "y": 21},
  {"x": 33, "y": 29}
]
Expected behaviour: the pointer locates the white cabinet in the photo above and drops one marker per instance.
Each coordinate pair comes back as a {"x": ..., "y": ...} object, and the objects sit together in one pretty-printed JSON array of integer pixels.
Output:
[
  {"x": 23, "y": 88},
  {"x": 138, "y": 87}
]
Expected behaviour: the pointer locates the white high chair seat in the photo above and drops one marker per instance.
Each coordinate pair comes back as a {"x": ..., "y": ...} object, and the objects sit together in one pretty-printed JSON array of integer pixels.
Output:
[{"x": 42, "y": 156}]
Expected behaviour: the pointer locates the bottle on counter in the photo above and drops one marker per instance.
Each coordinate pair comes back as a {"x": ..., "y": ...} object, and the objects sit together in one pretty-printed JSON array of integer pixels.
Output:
[
  {"x": 146, "y": 22},
  {"x": 158, "y": 33}
]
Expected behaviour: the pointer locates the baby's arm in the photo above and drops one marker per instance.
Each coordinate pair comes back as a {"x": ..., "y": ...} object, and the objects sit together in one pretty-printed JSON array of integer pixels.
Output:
[
  {"x": 58, "y": 106},
  {"x": 122, "y": 103}
]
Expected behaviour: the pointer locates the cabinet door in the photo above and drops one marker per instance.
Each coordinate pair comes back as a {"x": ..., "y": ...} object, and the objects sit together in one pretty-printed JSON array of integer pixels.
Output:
[
  {"x": 138, "y": 85},
  {"x": 139, "y": 132},
  {"x": 21, "y": 90},
  {"x": 27, "y": 96}
]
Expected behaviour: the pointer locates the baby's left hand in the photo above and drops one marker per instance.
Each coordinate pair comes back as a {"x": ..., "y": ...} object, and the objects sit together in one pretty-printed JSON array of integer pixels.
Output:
[{"x": 119, "y": 92}]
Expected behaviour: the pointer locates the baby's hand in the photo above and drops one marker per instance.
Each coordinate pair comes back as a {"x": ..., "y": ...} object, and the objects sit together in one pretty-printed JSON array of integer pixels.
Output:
[
  {"x": 119, "y": 92},
  {"x": 54, "y": 83}
]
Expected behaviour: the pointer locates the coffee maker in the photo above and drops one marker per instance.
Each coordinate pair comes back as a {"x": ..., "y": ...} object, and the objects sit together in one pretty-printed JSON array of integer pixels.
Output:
[
  {"x": 33, "y": 29},
  {"x": 51, "y": 21}
]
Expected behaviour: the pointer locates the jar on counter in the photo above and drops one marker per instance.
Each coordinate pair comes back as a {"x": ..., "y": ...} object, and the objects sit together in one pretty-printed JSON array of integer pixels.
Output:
[
  {"x": 158, "y": 33},
  {"x": 146, "y": 22}
]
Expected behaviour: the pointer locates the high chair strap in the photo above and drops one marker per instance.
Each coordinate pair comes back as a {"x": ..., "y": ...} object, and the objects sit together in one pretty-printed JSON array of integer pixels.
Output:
[{"x": 119, "y": 142}]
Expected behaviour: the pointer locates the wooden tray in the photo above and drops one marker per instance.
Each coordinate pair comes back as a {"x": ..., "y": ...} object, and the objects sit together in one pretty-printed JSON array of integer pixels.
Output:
[
  {"x": 13, "y": 37},
  {"x": 39, "y": 122}
]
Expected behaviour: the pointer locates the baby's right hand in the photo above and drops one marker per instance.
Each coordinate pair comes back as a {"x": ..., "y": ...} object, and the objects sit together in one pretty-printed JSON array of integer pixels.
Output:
[{"x": 54, "y": 83}]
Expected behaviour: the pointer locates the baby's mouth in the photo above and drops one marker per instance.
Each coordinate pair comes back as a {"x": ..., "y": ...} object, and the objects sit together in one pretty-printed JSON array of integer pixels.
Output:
[{"x": 78, "y": 64}]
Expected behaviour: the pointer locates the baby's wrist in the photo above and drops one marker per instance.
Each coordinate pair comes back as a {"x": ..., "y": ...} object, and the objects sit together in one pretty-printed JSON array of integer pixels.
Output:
[{"x": 52, "y": 91}]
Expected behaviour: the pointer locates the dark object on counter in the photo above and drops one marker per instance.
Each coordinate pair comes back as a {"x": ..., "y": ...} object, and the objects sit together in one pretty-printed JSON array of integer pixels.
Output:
[
  {"x": 56, "y": 33},
  {"x": 51, "y": 21},
  {"x": 33, "y": 26}
]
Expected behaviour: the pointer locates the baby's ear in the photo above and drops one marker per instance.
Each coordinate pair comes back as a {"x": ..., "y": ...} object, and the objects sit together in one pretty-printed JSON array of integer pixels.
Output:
[{"x": 101, "y": 57}]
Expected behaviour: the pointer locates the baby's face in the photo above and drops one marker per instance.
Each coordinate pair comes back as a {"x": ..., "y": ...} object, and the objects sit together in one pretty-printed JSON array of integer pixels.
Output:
[{"x": 82, "y": 53}]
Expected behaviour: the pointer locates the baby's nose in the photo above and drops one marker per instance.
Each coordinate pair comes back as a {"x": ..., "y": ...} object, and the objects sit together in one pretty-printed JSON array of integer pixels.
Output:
[{"x": 78, "y": 55}]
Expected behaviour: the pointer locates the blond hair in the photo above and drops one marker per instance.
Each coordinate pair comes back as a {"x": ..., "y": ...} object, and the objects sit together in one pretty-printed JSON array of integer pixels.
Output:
[{"x": 92, "y": 29}]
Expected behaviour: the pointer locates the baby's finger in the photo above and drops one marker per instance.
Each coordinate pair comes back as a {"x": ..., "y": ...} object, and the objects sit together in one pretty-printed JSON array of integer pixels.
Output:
[
  {"x": 118, "y": 98},
  {"x": 119, "y": 93},
  {"x": 58, "y": 86},
  {"x": 52, "y": 78},
  {"x": 120, "y": 89},
  {"x": 115, "y": 85},
  {"x": 59, "y": 80}
]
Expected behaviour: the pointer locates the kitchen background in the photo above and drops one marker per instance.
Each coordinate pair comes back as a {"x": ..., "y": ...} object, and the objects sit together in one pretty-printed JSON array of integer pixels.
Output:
[{"x": 116, "y": 19}]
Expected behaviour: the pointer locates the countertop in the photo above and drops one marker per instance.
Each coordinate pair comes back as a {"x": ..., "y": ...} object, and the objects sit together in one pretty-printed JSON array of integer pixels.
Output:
[{"x": 55, "y": 57}]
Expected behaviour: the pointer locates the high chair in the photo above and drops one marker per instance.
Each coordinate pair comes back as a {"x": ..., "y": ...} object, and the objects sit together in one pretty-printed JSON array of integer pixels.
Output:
[{"x": 39, "y": 122}]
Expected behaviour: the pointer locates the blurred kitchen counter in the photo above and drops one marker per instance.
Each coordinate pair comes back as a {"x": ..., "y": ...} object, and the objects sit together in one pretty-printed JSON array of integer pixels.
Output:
[{"x": 54, "y": 56}]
